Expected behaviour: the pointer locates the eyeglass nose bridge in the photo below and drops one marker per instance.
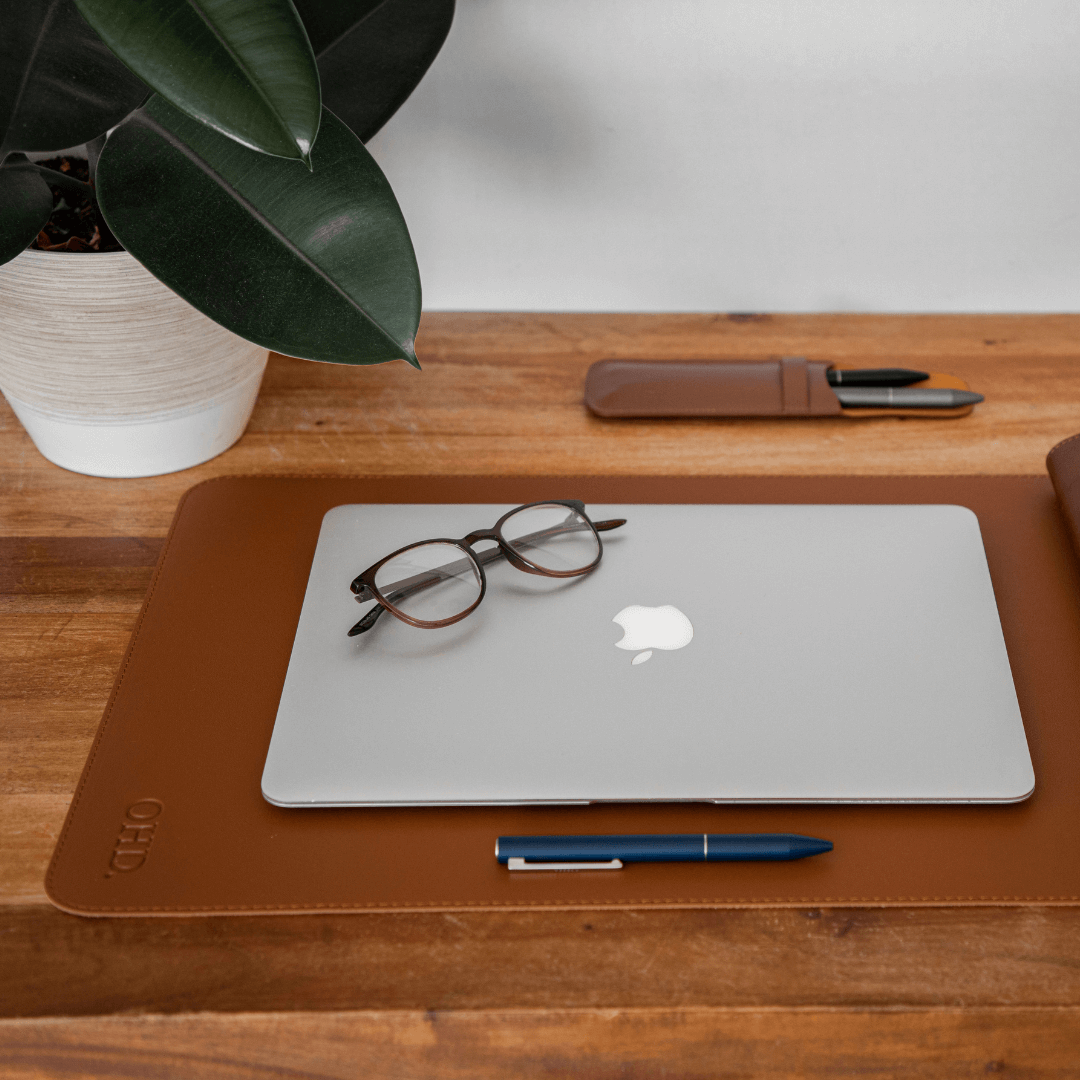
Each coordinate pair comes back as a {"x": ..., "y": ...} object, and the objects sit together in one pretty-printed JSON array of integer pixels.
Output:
[
  {"x": 503, "y": 548},
  {"x": 481, "y": 534}
]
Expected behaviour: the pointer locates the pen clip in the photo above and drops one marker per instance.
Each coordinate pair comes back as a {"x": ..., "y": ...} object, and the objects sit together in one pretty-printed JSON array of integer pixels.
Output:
[{"x": 523, "y": 864}]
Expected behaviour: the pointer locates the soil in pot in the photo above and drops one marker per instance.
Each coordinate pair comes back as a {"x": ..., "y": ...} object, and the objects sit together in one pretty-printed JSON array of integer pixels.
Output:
[{"x": 75, "y": 223}]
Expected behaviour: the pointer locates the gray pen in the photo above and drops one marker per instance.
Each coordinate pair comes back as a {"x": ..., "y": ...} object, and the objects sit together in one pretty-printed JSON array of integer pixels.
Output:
[{"x": 904, "y": 397}]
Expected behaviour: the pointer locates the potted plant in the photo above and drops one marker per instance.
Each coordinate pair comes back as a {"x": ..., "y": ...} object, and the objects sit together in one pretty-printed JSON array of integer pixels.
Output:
[{"x": 226, "y": 155}]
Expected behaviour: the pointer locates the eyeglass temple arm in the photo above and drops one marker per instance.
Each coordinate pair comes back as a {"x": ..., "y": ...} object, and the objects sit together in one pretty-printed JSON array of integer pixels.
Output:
[
  {"x": 408, "y": 586},
  {"x": 402, "y": 589}
]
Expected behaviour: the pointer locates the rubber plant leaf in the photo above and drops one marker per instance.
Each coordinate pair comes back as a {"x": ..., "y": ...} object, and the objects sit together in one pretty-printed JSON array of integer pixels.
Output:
[
  {"x": 312, "y": 264},
  {"x": 59, "y": 84},
  {"x": 373, "y": 53},
  {"x": 244, "y": 67},
  {"x": 27, "y": 203}
]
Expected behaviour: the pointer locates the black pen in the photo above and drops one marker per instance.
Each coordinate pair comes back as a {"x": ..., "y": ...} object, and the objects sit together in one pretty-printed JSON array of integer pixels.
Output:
[
  {"x": 904, "y": 397},
  {"x": 886, "y": 376}
]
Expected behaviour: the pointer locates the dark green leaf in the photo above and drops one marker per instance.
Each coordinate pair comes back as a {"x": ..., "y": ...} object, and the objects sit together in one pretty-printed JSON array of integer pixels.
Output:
[
  {"x": 327, "y": 21},
  {"x": 27, "y": 203},
  {"x": 373, "y": 53},
  {"x": 93, "y": 152},
  {"x": 62, "y": 180},
  {"x": 312, "y": 264},
  {"x": 244, "y": 67},
  {"x": 59, "y": 84}
]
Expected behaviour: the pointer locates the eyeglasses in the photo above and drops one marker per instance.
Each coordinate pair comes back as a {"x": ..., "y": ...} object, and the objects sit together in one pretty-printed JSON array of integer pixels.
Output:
[{"x": 438, "y": 582}]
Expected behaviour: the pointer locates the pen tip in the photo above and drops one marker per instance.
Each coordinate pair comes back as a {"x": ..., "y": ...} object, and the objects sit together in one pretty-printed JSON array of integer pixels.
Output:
[{"x": 966, "y": 397}]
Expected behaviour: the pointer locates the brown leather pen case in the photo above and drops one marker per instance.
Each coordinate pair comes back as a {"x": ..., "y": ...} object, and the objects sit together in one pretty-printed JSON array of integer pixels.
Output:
[{"x": 789, "y": 387}]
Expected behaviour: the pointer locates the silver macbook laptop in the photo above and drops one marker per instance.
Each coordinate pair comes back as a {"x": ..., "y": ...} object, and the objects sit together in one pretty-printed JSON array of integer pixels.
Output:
[{"x": 733, "y": 654}]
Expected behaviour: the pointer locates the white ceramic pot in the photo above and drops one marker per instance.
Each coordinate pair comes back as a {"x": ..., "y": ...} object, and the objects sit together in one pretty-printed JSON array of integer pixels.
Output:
[{"x": 111, "y": 373}]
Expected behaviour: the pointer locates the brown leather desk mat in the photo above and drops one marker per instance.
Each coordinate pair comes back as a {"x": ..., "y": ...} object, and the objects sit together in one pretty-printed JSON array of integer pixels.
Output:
[{"x": 168, "y": 817}]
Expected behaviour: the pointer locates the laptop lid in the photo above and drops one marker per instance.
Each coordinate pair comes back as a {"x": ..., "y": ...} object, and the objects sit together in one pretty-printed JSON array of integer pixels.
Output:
[{"x": 726, "y": 653}]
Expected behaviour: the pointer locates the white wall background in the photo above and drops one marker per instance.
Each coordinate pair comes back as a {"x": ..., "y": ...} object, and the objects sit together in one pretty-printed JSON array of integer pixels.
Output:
[{"x": 747, "y": 155}]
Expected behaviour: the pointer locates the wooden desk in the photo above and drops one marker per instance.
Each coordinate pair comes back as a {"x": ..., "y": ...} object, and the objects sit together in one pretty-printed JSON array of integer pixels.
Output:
[{"x": 776, "y": 993}]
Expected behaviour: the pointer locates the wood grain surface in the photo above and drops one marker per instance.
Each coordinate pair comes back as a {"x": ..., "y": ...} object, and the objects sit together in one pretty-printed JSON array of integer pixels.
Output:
[
  {"x": 608, "y": 1044},
  {"x": 950, "y": 992}
]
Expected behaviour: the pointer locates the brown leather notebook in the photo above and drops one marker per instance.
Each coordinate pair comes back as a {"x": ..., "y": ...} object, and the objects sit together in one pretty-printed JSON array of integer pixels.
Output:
[{"x": 168, "y": 817}]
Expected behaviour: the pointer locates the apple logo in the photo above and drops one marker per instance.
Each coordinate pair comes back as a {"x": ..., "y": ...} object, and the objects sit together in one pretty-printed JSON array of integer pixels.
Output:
[{"x": 649, "y": 628}]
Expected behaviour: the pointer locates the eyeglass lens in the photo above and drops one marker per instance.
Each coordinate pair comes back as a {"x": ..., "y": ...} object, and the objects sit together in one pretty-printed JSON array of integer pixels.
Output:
[
  {"x": 552, "y": 537},
  {"x": 430, "y": 582}
]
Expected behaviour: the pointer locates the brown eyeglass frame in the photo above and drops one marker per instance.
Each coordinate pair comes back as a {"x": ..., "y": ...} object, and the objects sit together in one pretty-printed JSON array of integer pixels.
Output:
[{"x": 364, "y": 588}]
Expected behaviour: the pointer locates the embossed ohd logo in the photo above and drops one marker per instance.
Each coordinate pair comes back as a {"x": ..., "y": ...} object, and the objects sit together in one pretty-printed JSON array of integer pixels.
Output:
[{"x": 136, "y": 835}]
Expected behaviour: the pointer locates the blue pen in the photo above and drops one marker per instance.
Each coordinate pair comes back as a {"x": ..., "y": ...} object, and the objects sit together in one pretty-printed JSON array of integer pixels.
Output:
[{"x": 610, "y": 852}]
